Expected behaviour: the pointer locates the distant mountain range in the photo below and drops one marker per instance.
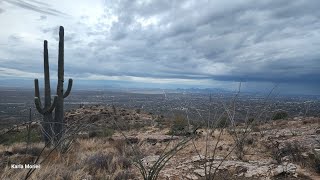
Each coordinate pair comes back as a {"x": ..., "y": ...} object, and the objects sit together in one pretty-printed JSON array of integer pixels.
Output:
[
  {"x": 200, "y": 90},
  {"x": 146, "y": 88}
]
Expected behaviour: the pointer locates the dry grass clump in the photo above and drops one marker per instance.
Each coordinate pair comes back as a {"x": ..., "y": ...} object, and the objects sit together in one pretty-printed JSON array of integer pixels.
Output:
[
  {"x": 124, "y": 174},
  {"x": 33, "y": 150},
  {"x": 87, "y": 159},
  {"x": 100, "y": 161},
  {"x": 109, "y": 165}
]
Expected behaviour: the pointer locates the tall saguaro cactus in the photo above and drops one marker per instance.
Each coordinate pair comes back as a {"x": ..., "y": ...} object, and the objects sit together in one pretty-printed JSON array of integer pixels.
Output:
[
  {"x": 46, "y": 111},
  {"x": 53, "y": 127},
  {"x": 59, "y": 113}
]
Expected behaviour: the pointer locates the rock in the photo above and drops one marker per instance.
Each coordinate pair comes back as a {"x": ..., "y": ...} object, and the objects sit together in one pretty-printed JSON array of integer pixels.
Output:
[
  {"x": 149, "y": 160},
  {"x": 318, "y": 131},
  {"x": 317, "y": 151},
  {"x": 7, "y": 153},
  {"x": 290, "y": 168},
  {"x": 132, "y": 140},
  {"x": 93, "y": 118},
  {"x": 278, "y": 170},
  {"x": 83, "y": 135},
  {"x": 256, "y": 171},
  {"x": 285, "y": 159},
  {"x": 152, "y": 141},
  {"x": 241, "y": 170},
  {"x": 200, "y": 172},
  {"x": 160, "y": 138},
  {"x": 304, "y": 154},
  {"x": 197, "y": 158},
  {"x": 191, "y": 177},
  {"x": 129, "y": 140}
]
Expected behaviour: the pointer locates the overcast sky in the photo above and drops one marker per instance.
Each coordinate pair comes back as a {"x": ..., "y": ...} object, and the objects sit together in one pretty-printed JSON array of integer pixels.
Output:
[{"x": 167, "y": 43}]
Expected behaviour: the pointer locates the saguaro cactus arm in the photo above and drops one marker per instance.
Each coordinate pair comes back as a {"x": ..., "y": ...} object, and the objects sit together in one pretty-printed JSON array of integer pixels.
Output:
[
  {"x": 37, "y": 100},
  {"x": 47, "y": 89},
  {"x": 36, "y": 88},
  {"x": 53, "y": 105},
  {"x": 66, "y": 94}
]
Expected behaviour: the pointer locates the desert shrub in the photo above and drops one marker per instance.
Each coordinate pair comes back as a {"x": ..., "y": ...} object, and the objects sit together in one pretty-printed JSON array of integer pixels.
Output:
[
  {"x": 93, "y": 134},
  {"x": 280, "y": 115},
  {"x": 106, "y": 132},
  {"x": 124, "y": 162},
  {"x": 250, "y": 120},
  {"x": 293, "y": 150},
  {"x": 21, "y": 136},
  {"x": 33, "y": 151},
  {"x": 114, "y": 109},
  {"x": 163, "y": 122},
  {"x": 255, "y": 128},
  {"x": 316, "y": 161},
  {"x": 120, "y": 146},
  {"x": 100, "y": 161},
  {"x": 134, "y": 152},
  {"x": 223, "y": 122},
  {"x": 240, "y": 149},
  {"x": 250, "y": 140},
  {"x": 179, "y": 126},
  {"x": 121, "y": 175}
]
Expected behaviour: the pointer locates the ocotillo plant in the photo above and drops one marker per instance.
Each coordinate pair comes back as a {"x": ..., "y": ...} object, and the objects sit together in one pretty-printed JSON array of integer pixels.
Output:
[
  {"x": 59, "y": 113},
  {"x": 46, "y": 111}
]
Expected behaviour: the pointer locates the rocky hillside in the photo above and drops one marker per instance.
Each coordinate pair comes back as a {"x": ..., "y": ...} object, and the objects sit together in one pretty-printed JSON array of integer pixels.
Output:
[
  {"x": 281, "y": 149},
  {"x": 95, "y": 119}
]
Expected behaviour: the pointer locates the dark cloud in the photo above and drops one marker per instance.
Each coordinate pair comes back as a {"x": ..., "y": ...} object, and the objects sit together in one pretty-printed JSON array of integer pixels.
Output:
[
  {"x": 36, "y": 6},
  {"x": 254, "y": 41},
  {"x": 249, "y": 40}
]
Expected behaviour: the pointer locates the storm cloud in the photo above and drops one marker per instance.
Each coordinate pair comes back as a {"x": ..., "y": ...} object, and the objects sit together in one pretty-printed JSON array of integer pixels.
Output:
[{"x": 183, "y": 41}]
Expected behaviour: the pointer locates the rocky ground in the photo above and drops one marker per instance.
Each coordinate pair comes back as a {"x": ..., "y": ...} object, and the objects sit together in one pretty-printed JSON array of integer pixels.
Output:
[{"x": 281, "y": 149}]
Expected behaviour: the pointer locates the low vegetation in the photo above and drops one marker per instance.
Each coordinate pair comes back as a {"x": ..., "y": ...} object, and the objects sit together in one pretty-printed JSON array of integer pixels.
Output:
[
  {"x": 179, "y": 126},
  {"x": 280, "y": 115},
  {"x": 16, "y": 136},
  {"x": 155, "y": 152}
]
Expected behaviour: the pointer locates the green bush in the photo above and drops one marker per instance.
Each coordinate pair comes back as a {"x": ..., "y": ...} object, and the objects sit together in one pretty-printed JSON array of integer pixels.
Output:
[
  {"x": 223, "y": 122},
  {"x": 107, "y": 132},
  {"x": 250, "y": 120},
  {"x": 280, "y": 115},
  {"x": 21, "y": 136},
  {"x": 179, "y": 126},
  {"x": 138, "y": 111}
]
